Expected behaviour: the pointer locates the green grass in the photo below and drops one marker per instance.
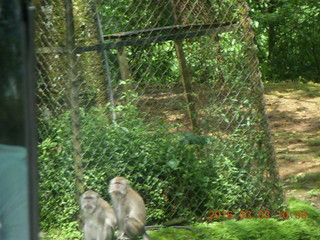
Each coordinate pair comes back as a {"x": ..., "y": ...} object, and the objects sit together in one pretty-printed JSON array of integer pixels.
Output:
[
  {"x": 297, "y": 227},
  {"x": 293, "y": 228},
  {"x": 305, "y": 90},
  {"x": 314, "y": 142}
]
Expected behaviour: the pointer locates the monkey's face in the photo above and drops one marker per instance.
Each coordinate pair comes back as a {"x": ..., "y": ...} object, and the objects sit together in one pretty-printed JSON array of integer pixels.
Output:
[
  {"x": 89, "y": 201},
  {"x": 118, "y": 185}
]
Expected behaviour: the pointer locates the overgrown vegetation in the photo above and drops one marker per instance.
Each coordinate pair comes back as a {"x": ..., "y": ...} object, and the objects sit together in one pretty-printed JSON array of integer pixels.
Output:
[
  {"x": 179, "y": 174},
  {"x": 292, "y": 228},
  {"x": 288, "y": 37},
  {"x": 173, "y": 171}
]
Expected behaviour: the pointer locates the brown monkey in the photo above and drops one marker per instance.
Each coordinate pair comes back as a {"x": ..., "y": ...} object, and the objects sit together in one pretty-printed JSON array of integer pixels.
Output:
[
  {"x": 130, "y": 209},
  {"x": 99, "y": 217}
]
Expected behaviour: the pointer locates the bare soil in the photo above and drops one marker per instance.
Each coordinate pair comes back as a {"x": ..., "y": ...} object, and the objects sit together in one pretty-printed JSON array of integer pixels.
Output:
[{"x": 293, "y": 110}]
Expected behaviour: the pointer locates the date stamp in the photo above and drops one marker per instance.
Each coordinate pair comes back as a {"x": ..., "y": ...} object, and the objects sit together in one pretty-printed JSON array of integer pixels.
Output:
[{"x": 215, "y": 215}]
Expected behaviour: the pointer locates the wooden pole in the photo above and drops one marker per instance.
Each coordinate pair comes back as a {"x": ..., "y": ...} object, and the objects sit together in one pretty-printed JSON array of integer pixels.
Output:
[
  {"x": 73, "y": 77},
  {"x": 124, "y": 69},
  {"x": 185, "y": 77},
  {"x": 123, "y": 63}
]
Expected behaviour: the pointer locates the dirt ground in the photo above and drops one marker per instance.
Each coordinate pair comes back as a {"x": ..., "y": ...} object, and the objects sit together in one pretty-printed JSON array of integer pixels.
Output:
[{"x": 293, "y": 110}]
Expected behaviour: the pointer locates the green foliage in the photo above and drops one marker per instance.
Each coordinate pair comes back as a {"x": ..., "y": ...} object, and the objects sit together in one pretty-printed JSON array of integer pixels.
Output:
[
  {"x": 56, "y": 176},
  {"x": 135, "y": 14},
  {"x": 154, "y": 64},
  {"x": 172, "y": 171},
  {"x": 65, "y": 231},
  {"x": 251, "y": 229},
  {"x": 248, "y": 229},
  {"x": 288, "y": 38},
  {"x": 264, "y": 229},
  {"x": 313, "y": 214},
  {"x": 292, "y": 228}
]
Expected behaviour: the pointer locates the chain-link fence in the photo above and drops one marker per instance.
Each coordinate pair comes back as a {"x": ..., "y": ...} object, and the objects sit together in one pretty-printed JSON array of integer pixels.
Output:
[{"x": 165, "y": 93}]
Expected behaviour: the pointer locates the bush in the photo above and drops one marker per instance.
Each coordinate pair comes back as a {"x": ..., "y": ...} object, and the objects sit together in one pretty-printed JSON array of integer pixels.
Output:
[{"x": 178, "y": 174}]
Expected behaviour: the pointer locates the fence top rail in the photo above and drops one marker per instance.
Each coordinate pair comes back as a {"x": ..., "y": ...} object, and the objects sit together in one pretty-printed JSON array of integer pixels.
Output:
[
  {"x": 167, "y": 29},
  {"x": 178, "y": 32}
]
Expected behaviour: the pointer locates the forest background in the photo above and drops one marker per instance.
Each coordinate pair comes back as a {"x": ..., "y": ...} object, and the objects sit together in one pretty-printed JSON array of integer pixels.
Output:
[{"x": 287, "y": 33}]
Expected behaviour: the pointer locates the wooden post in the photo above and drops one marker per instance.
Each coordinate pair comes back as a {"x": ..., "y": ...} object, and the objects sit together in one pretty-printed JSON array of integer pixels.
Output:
[
  {"x": 186, "y": 81},
  {"x": 123, "y": 63},
  {"x": 185, "y": 77},
  {"x": 73, "y": 77},
  {"x": 124, "y": 69}
]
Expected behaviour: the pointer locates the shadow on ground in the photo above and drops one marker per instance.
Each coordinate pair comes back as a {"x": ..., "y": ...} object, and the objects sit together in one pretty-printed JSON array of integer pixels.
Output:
[{"x": 293, "y": 110}]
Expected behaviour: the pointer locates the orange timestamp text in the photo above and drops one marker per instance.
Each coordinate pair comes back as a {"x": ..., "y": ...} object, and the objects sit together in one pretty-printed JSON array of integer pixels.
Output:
[{"x": 215, "y": 215}]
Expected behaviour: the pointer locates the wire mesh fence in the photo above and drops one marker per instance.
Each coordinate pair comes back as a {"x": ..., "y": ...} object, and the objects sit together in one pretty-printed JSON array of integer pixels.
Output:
[{"x": 165, "y": 93}]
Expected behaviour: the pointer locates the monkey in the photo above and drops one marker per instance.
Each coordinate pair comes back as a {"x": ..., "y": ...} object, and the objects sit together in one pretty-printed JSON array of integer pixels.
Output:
[
  {"x": 99, "y": 217},
  {"x": 129, "y": 208}
]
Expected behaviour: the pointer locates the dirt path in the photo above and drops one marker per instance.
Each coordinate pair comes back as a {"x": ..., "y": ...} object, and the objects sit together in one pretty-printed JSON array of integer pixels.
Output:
[{"x": 294, "y": 117}]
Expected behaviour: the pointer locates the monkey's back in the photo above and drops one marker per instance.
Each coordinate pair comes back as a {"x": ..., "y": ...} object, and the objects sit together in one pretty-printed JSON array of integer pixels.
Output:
[
  {"x": 107, "y": 213},
  {"x": 136, "y": 204}
]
